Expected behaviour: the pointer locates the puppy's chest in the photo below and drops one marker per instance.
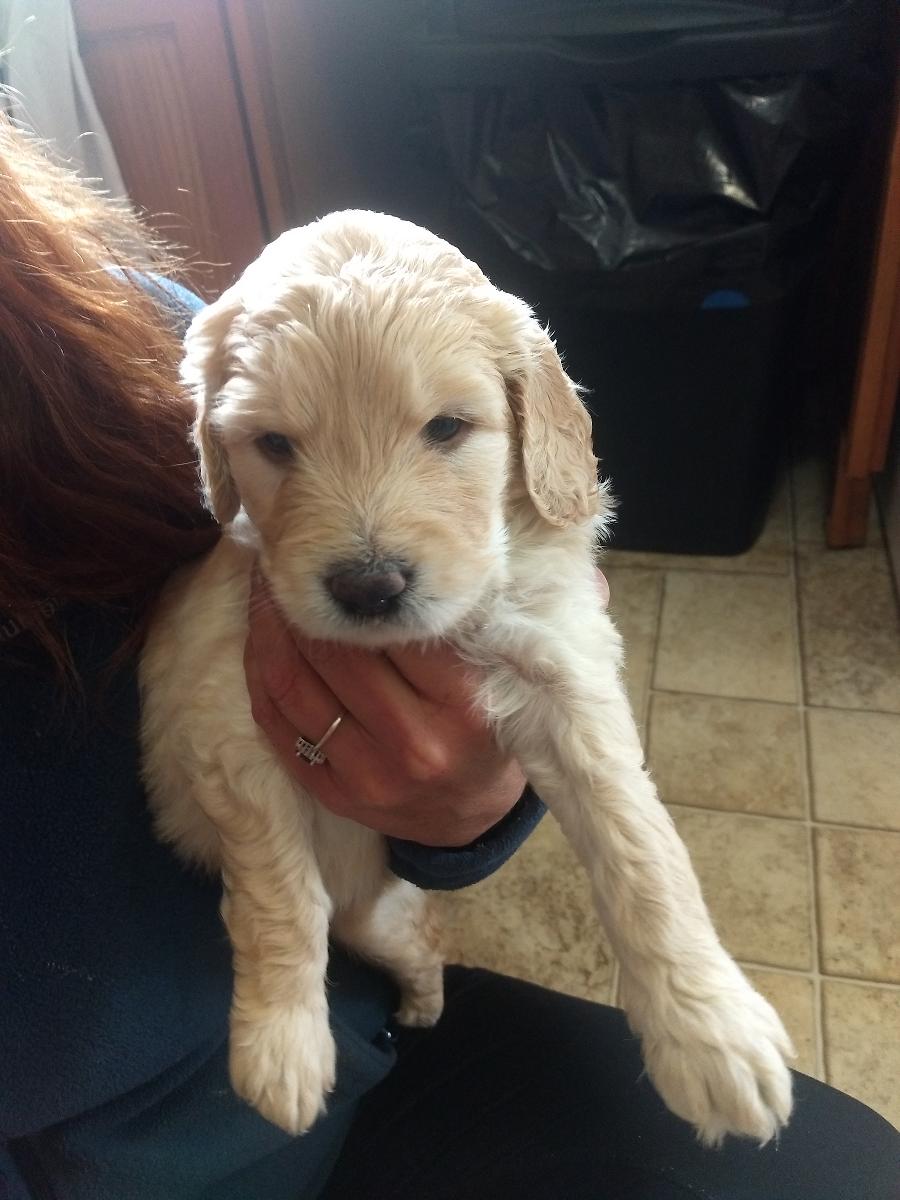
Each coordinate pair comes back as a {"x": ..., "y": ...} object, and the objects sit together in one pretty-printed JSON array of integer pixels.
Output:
[{"x": 352, "y": 859}]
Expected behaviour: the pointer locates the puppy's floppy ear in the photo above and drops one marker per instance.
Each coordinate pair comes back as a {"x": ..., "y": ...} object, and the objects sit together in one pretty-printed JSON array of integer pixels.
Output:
[
  {"x": 205, "y": 370},
  {"x": 554, "y": 428}
]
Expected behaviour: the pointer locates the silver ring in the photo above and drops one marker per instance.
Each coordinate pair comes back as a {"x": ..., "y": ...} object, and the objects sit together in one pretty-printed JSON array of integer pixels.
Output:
[{"x": 312, "y": 752}]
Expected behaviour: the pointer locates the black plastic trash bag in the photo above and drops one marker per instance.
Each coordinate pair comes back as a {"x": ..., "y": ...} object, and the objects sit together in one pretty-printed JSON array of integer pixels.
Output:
[{"x": 655, "y": 191}]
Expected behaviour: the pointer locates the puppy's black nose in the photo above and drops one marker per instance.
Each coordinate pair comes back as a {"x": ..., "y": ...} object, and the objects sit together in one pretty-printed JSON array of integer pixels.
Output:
[{"x": 369, "y": 589}]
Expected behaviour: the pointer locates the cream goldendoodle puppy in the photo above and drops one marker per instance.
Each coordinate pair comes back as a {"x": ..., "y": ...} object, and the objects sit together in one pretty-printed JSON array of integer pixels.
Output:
[{"x": 397, "y": 444}]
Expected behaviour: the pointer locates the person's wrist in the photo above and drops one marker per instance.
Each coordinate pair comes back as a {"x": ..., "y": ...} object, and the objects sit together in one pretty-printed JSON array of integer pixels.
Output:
[
  {"x": 502, "y": 797},
  {"x": 447, "y": 869},
  {"x": 496, "y": 829}
]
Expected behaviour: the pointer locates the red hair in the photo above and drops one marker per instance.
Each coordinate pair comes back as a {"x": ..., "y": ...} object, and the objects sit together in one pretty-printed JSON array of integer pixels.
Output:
[{"x": 99, "y": 496}]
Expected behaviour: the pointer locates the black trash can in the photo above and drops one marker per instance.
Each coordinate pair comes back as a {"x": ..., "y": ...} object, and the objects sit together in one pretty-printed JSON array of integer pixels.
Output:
[{"x": 657, "y": 179}]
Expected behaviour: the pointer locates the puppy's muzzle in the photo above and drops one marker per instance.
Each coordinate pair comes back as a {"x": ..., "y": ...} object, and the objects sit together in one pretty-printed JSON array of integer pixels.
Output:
[{"x": 369, "y": 589}]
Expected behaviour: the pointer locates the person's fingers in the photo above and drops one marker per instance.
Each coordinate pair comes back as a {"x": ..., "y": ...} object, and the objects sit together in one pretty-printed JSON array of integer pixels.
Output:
[
  {"x": 437, "y": 672},
  {"x": 348, "y": 744},
  {"x": 278, "y": 729},
  {"x": 288, "y": 696},
  {"x": 288, "y": 679},
  {"x": 370, "y": 687}
]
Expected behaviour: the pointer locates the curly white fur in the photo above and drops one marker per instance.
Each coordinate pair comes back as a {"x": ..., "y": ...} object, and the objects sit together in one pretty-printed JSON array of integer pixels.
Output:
[{"x": 347, "y": 337}]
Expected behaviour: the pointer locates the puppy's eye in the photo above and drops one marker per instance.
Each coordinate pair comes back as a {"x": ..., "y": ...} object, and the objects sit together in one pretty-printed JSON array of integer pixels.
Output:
[
  {"x": 444, "y": 429},
  {"x": 276, "y": 447}
]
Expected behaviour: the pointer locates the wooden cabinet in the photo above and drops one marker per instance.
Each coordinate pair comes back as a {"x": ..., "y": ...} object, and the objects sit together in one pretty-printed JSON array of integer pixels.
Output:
[
  {"x": 220, "y": 113},
  {"x": 289, "y": 60}
]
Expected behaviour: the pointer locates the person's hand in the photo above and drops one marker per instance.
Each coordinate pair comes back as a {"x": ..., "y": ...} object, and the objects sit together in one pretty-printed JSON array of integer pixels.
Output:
[{"x": 412, "y": 757}]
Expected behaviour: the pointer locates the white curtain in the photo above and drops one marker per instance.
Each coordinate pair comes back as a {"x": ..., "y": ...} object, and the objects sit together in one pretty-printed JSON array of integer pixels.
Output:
[{"x": 48, "y": 89}]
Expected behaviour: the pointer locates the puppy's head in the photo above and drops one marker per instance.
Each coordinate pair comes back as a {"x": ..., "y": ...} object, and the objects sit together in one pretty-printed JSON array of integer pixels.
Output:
[{"x": 381, "y": 413}]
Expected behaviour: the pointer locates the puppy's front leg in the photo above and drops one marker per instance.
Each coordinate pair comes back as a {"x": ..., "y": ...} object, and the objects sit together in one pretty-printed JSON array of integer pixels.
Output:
[
  {"x": 714, "y": 1048},
  {"x": 282, "y": 1055}
]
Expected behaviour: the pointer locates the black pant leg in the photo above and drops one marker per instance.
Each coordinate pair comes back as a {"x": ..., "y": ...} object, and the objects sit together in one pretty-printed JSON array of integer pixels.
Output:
[{"x": 524, "y": 1094}]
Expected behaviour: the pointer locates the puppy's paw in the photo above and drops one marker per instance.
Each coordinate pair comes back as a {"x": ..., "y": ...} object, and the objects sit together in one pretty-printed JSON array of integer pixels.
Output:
[
  {"x": 423, "y": 1000},
  {"x": 282, "y": 1061},
  {"x": 721, "y": 1064}
]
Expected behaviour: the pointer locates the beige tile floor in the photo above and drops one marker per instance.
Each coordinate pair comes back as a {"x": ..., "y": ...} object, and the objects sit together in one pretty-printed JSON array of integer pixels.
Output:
[{"x": 767, "y": 688}]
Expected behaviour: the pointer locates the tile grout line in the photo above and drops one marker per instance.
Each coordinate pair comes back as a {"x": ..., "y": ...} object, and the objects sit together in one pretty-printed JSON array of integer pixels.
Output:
[
  {"x": 657, "y": 632},
  {"x": 817, "y": 823},
  {"x": 642, "y": 718},
  {"x": 829, "y": 708},
  {"x": 725, "y": 696},
  {"x": 656, "y": 636},
  {"x": 803, "y": 973},
  {"x": 851, "y": 712},
  {"x": 812, "y": 865}
]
